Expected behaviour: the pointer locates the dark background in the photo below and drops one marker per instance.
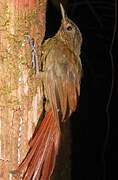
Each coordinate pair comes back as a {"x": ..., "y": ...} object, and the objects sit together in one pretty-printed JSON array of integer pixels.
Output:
[{"x": 95, "y": 20}]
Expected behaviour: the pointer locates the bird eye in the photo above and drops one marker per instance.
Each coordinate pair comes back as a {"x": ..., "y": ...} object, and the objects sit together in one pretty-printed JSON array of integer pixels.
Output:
[{"x": 69, "y": 28}]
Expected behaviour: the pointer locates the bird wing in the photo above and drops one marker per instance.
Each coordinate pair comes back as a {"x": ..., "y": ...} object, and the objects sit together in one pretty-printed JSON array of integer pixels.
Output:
[{"x": 63, "y": 74}]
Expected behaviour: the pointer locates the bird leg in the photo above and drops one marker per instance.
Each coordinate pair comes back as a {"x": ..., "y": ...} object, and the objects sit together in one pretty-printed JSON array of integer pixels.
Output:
[{"x": 34, "y": 54}]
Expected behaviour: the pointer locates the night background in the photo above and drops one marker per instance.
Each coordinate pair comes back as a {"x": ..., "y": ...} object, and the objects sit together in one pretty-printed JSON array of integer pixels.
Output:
[{"x": 96, "y": 21}]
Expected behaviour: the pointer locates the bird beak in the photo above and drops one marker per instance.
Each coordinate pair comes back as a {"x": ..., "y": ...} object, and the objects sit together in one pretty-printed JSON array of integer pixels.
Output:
[{"x": 62, "y": 12}]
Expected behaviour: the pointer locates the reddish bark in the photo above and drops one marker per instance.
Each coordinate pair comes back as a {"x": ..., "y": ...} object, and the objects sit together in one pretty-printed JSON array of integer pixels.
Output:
[
  {"x": 26, "y": 3},
  {"x": 20, "y": 93}
]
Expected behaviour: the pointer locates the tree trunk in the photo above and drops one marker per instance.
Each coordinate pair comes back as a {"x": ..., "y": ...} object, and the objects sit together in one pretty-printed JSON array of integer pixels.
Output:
[{"x": 21, "y": 94}]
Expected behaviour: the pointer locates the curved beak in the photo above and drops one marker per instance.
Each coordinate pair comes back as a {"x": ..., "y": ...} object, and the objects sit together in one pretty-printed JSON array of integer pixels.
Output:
[{"x": 62, "y": 12}]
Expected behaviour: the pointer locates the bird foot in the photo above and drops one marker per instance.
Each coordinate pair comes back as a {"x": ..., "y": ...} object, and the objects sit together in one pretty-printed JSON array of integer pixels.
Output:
[{"x": 32, "y": 43}]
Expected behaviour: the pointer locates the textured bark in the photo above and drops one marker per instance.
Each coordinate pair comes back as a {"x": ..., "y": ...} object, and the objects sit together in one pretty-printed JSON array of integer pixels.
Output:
[{"x": 21, "y": 94}]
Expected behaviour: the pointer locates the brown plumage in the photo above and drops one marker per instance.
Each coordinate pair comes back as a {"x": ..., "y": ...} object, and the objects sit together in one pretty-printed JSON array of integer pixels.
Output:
[{"x": 61, "y": 76}]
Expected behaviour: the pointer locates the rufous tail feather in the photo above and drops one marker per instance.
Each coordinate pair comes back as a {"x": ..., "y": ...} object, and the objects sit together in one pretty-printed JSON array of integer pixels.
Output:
[{"x": 40, "y": 160}]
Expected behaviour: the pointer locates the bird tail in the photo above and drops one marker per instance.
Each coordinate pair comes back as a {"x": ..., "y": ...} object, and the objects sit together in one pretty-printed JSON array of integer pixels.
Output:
[{"x": 40, "y": 160}]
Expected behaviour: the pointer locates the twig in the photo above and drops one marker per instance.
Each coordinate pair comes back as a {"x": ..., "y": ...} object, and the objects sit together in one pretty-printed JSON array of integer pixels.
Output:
[{"x": 112, "y": 83}]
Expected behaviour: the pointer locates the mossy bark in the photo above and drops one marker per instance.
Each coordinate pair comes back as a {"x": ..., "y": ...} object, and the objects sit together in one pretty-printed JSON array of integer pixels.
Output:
[{"x": 20, "y": 93}]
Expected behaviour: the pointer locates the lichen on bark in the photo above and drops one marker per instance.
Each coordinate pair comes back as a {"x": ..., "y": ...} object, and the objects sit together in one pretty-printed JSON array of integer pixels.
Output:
[{"x": 20, "y": 93}]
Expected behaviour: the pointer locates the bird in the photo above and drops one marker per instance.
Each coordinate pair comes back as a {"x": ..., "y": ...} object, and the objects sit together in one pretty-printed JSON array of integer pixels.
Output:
[{"x": 61, "y": 73}]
